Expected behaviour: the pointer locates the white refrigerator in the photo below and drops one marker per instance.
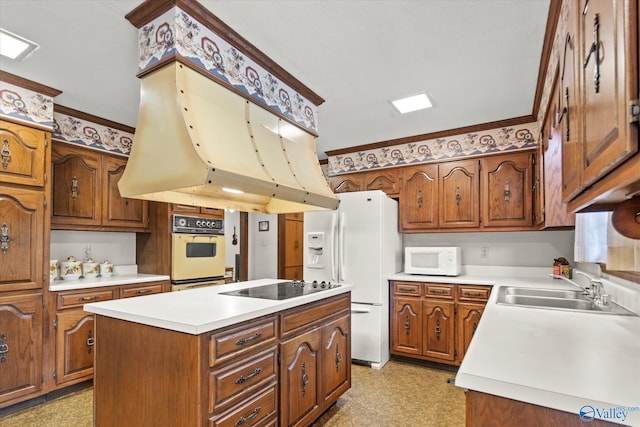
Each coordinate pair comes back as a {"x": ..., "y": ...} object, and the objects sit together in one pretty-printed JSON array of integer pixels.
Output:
[{"x": 358, "y": 244}]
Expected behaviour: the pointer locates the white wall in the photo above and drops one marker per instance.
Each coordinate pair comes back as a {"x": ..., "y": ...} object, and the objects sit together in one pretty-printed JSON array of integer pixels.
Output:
[
  {"x": 119, "y": 248},
  {"x": 263, "y": 247},
  {"x": 522, "y": 248}
]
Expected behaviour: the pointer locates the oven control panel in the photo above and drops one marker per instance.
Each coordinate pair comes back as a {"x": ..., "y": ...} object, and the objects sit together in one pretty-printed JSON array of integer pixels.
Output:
[{"x": 197, "y": 225}]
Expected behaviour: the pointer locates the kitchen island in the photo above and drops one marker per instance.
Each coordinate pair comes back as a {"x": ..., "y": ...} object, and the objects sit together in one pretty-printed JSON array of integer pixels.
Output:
[
  {"x": 202, "y": 358},
  {"x": 532, "y": 366}
]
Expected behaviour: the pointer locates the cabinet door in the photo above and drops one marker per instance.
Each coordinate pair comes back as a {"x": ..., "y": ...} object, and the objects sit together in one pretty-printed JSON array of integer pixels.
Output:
[
  {"x": 467, "y": 319},
  {"x": 21, "y": 239},
  {"x": 459, "y": 193},
  {"x": 419, "y": 198},
  {"x": 608, "y": 34},
  {"x": 22, "y": 154},
  {"x": 76, "y": 186},
  {"x": 568, "y": 116},
  {"x": 75, "y": 339},
  {"x": 300, "y": 398},
  {"x": 212, "y": 212},
  {"x": 385, "y": 180},
  {"x": 406, "y": 326},
  {"x": 20, "y": 347},
  {"x": 507, "y": 190},
  {"x": 438, "y": 329},
  {"x": 346, "y": 183},
  {"x": 117, "y": 210},
  {"x": 336, "y": 360}
]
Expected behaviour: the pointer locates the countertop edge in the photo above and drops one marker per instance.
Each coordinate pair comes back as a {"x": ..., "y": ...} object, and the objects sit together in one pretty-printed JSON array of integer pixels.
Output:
[{"x": 98, "y": 282}]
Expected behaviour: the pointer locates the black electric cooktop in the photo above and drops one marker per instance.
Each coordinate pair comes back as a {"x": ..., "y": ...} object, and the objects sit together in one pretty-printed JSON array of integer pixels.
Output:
[{"x": 282, "y": 290}]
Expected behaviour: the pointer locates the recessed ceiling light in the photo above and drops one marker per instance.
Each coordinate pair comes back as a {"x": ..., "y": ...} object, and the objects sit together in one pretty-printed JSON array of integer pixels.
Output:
[
  {"x": 412, "y": 103},
  {"x": 15, "y": 47}
]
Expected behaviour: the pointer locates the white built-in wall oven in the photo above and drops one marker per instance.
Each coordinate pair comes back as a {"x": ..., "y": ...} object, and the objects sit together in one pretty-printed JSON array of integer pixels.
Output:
[{"x": 197, "y": 252}]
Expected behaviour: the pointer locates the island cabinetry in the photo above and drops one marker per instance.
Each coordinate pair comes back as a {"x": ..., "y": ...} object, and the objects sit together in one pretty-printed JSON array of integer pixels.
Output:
[
  {"x": 507, "y": 196},
  {"x": 20, "y": 347},
  {"x": 435, "y": 321},
  {"x": 86, "y": 195}
]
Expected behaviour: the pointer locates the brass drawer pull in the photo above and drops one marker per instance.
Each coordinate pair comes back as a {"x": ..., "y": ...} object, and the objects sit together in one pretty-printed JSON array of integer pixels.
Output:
[
  {"x": 249, "y": 417},
  {"x": 242, "y": 379},
  {"x": 90, "y": 341},
  {"x": 142, "y": 291},
  {"x": 4, "y": 239},
  {"x": 4, "y": 348},
  {"x": 438, "y": 291},
  {"x": 407, "y": 289},
  {"x": 91, "y": 298},
  {"x": 243, "y": 341},
  {"x": 74, "y": 188},
  {"x": 6, "y": 153}
]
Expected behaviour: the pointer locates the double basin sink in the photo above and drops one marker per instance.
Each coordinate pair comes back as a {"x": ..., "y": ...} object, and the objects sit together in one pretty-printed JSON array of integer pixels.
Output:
[{"x": 556, "y": 299}]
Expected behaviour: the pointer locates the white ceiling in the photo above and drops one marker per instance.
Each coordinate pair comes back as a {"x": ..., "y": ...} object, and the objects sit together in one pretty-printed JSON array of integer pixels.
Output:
[{"x": 478, "y": 60}]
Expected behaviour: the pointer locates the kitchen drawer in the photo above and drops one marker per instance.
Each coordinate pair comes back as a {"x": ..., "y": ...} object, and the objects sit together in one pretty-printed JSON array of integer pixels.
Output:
[
  {"x": 241, "y": 379},
  {"x": 70, "y": 299},
  {"x": 140, "y": 289},
  {"x": 242, "y": 339},
  {"x": 302, "y": 317},
  {"x": 473, "y": 293},
  {"x": 406, "y": 288},
  {"x": 257, "y": 411},
  {"x": 437, "y": 290}
]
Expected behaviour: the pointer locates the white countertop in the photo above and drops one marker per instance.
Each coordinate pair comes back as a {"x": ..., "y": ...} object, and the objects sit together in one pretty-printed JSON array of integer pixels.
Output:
[
  {"x": 97, "y": 282},
  {"x": 200, "y": 310},
  {"x": 558, "y": 359}
]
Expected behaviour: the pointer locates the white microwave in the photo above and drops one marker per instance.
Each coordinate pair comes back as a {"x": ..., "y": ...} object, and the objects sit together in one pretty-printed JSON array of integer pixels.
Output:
[{"x": 432, "y": 261}]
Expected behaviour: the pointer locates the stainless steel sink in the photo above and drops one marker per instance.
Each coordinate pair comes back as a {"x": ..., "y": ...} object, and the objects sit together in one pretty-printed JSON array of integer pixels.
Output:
[{"x": 556, "y": 299}]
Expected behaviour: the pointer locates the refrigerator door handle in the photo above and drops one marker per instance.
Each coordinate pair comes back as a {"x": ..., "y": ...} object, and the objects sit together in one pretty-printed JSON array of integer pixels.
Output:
[
  {"x": 334, "y": 246},
  {"x": 360, "y": 310},
  {"x": 341, "y": 250}
]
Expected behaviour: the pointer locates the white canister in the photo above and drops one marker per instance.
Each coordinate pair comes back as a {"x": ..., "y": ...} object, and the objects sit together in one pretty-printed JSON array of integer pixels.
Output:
[
  {"x": 106, "y": 269},
  {"x": 70, "y": 269},
  {"x": 90, "y": 269},
  {"x": 53, "y": 269}
]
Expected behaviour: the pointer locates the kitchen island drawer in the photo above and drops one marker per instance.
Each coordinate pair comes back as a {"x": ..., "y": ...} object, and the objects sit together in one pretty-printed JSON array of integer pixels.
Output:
[
  {"x": 241, "y": 379},
  {"x": 439, "y": 290},
  {"x": 406, "y": 288},
  {"x": 257, "y": 411},
  {"x": 72, "y": 299},
  {"x": 231, "y": 343},
  {"x": 473, "y": 293},
  {"x": 140, "y": 289}
]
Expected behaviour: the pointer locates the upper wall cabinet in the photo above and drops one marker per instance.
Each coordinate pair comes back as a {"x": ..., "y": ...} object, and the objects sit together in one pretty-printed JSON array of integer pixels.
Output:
[
  {"x": 459, "y": 194},
  {"x": 385, "y": 180},
  {"x": 22, "y": 154},
  {"x": 599, "y": 93},
  {"x": 346, "y": 183},
  {"x": 418, "y": 207},
  {"x": 85, "y": 192}
]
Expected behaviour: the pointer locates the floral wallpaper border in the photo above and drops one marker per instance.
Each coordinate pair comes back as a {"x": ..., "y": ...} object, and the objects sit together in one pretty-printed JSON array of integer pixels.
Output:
[
  {"x": 453, "y": 147},
  {"x": 24, "y": 104},
  {"x": 77, "y": 131},
  {"x": 177, "y": 32}
]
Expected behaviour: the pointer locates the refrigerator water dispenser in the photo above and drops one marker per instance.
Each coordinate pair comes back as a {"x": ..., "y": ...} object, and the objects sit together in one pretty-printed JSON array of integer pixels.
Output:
[{"x": 315, "y": 250}]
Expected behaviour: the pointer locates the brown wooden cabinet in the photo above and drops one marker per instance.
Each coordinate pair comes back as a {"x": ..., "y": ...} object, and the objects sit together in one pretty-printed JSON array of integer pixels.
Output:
[
  {"x": 197, "y": 211},
  {"x": 290, "y": 246},
  {"x": 459, "y": 194},
  {"x": 435, "y": 321},
  {"x": 507, "y": 190},
  {"x": 387, "y": 180},
  {"x": 346, "y": 183},
  {"x": 86, "y": 195},
  {"x": 21, "y": 348},
  {"x": 22, "y": 154},
  {"x": 418, "y": 207}
]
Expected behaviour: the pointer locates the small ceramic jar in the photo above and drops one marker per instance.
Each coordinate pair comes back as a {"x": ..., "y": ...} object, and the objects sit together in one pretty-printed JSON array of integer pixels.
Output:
[
  {"x": 106, "y": 269},
  {"x": 70, "y": 269},
  {"x": 90, "y": 269},
  {"x": 53, "y": 269}
]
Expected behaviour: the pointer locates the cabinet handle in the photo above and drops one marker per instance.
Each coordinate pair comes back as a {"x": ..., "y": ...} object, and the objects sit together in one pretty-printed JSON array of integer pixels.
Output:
[
  {"x": 507, "y": 191},
  {"x": 305, "y": 378},
  {"x": 338, "y": 357},
  {"x": 380, "y": 185},
  {"x": 419, "y": 199},
  {"x": 249, "y": 417},
  {"x": 438, "y": 291},
  {"x": 242, "y": 379},
  {"x": 142, "y": 291},
  {"x": 6, "y": 153},
  {"x": 90, "y": 341},
  {"x": 458, "y": 196},
  {"x": 92, "y": 298},
  {"x": 595, "y": 49},
  {"x": 295, "y": 244},
  {"x": 406, "y": 289},
  {"x": 74, "y": 188},
  {"x": 473, "y": 294},
  {"x": 243, "y": 341},
  {"x": 4, "y": 239},
  {"x": 438, "y": 330},
  {"x": 475, "y": 326},
  {"x": 407, "y": 325},
  {"x": 4, "y": 348}
]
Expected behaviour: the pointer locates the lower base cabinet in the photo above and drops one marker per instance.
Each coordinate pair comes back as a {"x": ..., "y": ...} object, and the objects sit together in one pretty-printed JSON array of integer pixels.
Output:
[
  {"x": 20, "y": 347},
  {"x": 283, "y": 369},
  {"x": 435, "y": 321}
]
